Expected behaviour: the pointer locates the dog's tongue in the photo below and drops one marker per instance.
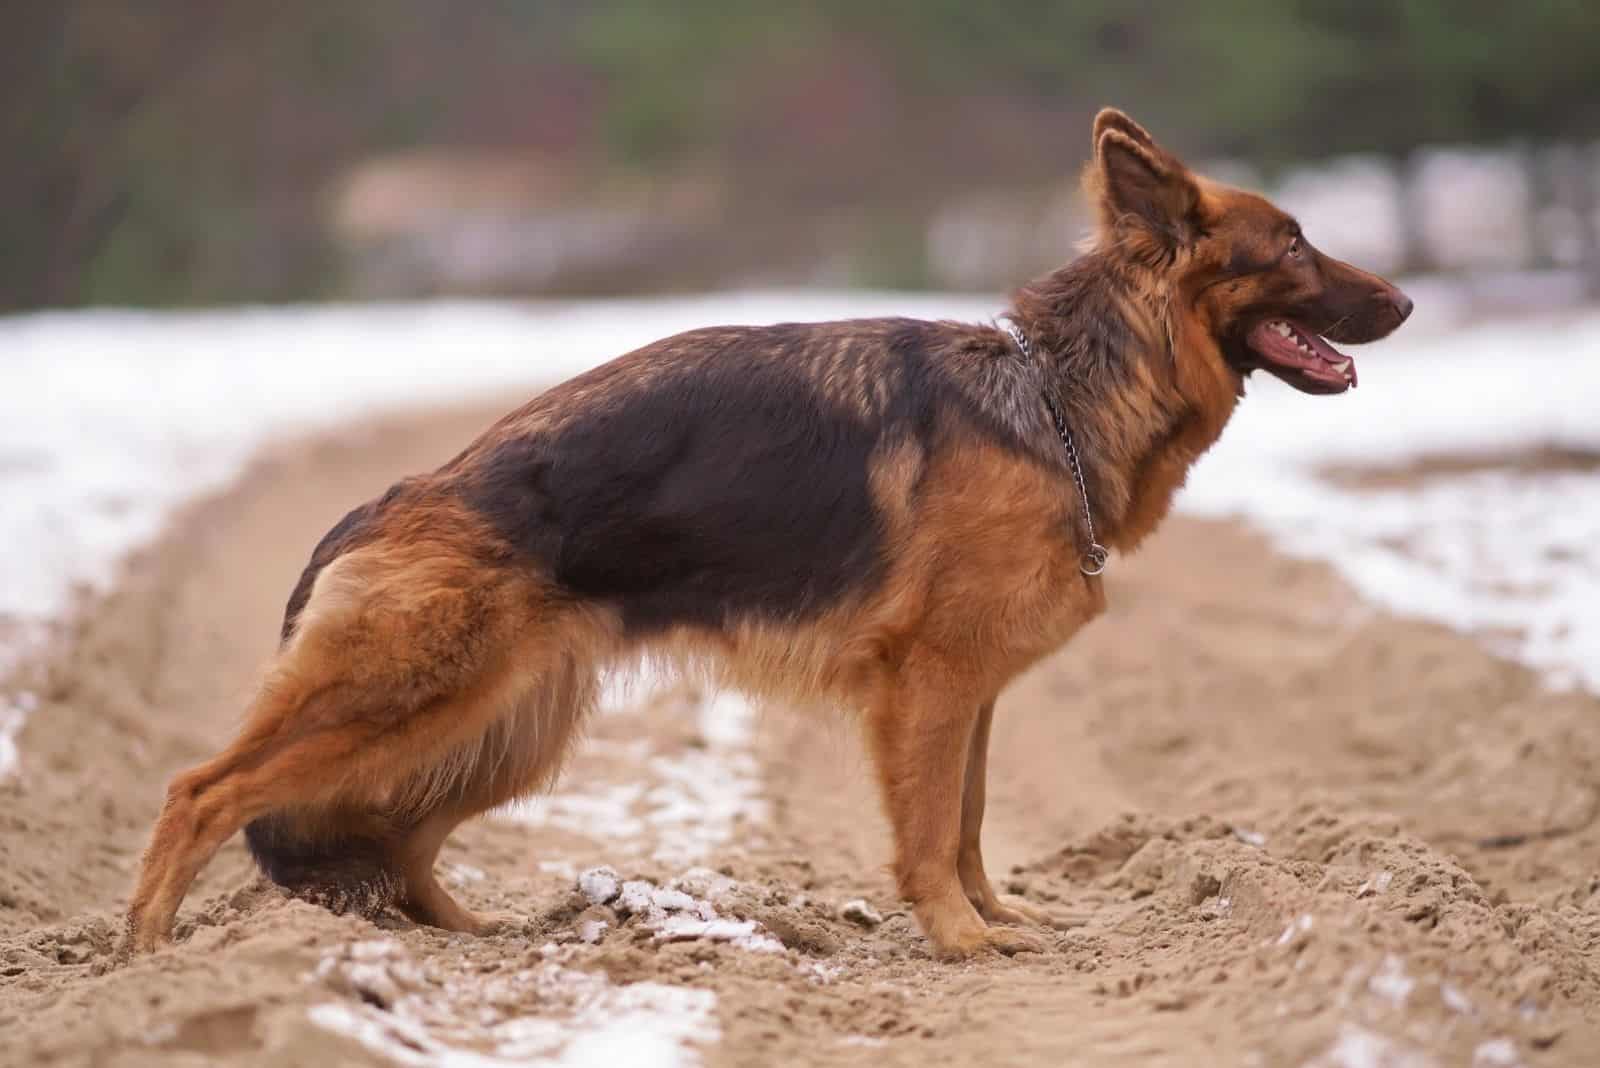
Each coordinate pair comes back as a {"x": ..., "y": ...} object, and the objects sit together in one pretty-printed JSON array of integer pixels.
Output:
[
  {"x": 1327, "y": 352},
  {"x": 1292, "y": 342},
  {"x": 1318, "y": 345}
]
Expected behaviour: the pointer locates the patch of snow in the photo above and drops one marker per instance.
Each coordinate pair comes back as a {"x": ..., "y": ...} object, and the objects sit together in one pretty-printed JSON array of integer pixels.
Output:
[
  {"x": 1496, "y": 1053},
  {"x": 820, "y": 972},
  {"x": 1378, "y": 884},
  {"x": 447, "y": 1014},
  {"x": 1298, "y": 926},
  {"x": 697, "y": 800},
  {"x": 13, "y": 711},
  {"x": 643, "y": 897},
  {"x": 703, "y": 882},
  {"x": 705, "y": 794},
  {"x": 1357, "y": 1047},
  {"x": 1390, "y": 982},
  {"x": 605, "y": 812},
  {"x": 1454, "y": 999},
  {"x": 746, "y": 934},
  {"x": 676, "y": 916},
  {"x": 599, "y": 885}
]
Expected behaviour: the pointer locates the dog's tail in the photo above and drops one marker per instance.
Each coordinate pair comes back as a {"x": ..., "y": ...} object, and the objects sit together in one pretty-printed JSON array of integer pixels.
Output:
[{"x": 345, "y": 870}]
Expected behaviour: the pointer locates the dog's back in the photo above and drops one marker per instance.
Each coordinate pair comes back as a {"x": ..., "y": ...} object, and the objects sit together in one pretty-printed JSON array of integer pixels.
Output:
[{"x": 729, "y": 474}]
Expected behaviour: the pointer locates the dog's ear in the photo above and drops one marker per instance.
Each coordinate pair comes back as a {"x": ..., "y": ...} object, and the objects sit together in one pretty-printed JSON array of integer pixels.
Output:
[
  {"x": 1142, "y": 183},
  {"x": 1112, "y": 119}
]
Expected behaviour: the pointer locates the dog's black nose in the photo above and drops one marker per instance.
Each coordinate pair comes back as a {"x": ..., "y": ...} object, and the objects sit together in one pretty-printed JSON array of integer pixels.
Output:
[{"x": 1402, "y": 305}]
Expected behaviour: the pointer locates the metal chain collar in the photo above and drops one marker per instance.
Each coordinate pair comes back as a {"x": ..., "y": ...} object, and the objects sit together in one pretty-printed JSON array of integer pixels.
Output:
[{"x": 1095, "y": 556}]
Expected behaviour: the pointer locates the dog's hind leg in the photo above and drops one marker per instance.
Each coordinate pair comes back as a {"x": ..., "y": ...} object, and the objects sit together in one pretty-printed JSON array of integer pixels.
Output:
[
  {"x": 398, "y": 675},
  {"x": 421, "y": 897},
  {"x": 282, "y": 756},
  {"x": 269, "y": 766},
  {"x": 920, "y": 737},
  {"x": 522, "y": 754}
]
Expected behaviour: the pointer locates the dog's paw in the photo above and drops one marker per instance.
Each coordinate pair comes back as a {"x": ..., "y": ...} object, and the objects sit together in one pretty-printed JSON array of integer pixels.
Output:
[
  {"x": 137, "y": 942},
  {"x": 1018, "y": 913},
  {"x": 1010, "y": 941},
  {"x": 489, "y": 924}
]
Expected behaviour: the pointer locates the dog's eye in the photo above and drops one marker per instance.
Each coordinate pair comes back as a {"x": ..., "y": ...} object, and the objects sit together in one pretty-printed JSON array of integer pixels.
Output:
[{"x": 1294, "y": 248}]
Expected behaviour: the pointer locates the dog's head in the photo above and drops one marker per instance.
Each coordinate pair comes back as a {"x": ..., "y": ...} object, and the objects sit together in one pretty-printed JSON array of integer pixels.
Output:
[{"x": 1234, "y": 265}]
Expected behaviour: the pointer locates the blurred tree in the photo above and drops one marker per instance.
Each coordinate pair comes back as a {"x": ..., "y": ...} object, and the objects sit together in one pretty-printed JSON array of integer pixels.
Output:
[
  {"x": 177, "y": 152},
  {"x": 172, "y": 152}
]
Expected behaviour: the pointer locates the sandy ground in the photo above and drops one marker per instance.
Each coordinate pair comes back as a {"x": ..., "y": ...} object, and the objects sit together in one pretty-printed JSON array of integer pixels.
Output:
[{"x": 1294, "y": 830}]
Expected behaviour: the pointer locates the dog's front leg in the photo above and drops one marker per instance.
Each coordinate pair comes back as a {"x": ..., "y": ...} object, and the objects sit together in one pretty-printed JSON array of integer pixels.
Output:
[
  {"x": 921, "y": 734},
  {"x": 974, "y": 880}
]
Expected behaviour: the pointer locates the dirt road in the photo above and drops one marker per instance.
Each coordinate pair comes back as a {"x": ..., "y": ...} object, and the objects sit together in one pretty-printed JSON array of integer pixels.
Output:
[{"x": 1294, "y": 831}]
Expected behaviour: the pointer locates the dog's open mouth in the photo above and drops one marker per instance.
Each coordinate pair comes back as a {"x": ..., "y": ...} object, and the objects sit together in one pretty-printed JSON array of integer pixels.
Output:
[{"x": 1301, "y": 358}]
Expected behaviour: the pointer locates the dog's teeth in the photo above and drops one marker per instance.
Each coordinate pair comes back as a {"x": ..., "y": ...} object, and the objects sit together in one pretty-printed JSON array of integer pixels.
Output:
[
  {"x": 1282, "y": 328},
  {"x": 1343, "y": 366}
]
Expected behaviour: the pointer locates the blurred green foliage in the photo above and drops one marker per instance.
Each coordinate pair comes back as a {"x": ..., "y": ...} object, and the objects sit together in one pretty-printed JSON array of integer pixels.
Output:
[{"x": 169, "y": 151}]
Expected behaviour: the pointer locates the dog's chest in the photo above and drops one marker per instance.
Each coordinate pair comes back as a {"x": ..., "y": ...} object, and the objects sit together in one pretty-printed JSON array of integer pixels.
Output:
[{"x": 999, "y": 551}]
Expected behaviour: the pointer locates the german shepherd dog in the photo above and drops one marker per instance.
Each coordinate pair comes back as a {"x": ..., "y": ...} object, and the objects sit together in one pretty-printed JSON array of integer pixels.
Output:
[{"x": 883, "y": 516}]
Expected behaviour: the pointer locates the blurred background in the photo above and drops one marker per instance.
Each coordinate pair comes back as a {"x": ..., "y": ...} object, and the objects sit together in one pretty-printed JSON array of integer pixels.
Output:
[{"x": 179, "y": 153}]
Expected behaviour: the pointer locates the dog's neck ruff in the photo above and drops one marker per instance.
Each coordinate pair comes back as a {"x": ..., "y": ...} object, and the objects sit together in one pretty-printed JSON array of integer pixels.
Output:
[{"x": 1095, "y": 556}]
